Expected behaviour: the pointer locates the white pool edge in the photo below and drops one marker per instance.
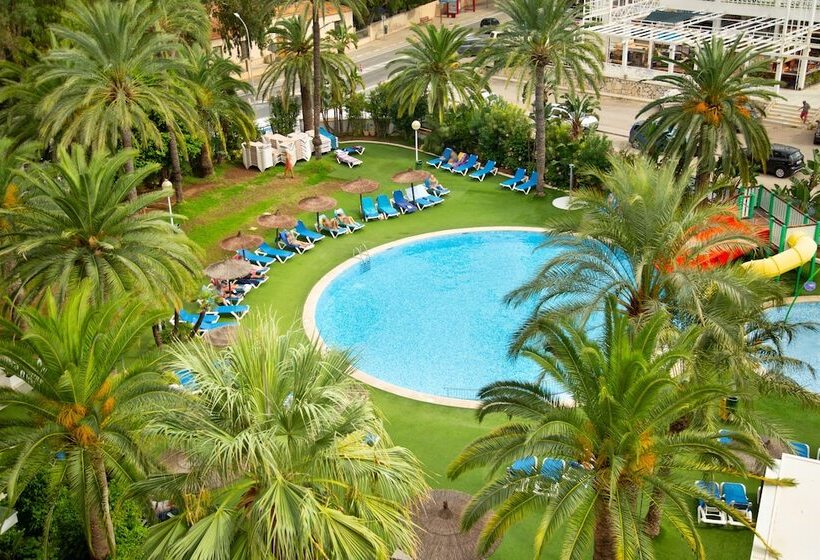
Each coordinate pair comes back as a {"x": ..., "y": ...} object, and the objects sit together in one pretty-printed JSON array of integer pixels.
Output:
[{"x": 312, "y": 303}]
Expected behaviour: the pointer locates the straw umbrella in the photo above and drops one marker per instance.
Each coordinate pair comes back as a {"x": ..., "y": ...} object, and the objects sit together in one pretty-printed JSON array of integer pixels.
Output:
[
  {"x": 229, "y": 269},
  {"x": 221, "y": 337},
  {"x": 276, "y": 221},
  {"x": 438, "y": 519},
  {"x": 240, "y": 241},
  {"x": 317, "y": 204},
  {"x": 360, "y": 186},
  {"x": 410, "y": 177}
]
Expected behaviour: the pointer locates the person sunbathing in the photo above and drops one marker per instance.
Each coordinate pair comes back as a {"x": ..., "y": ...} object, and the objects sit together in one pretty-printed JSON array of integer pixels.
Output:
[
  {"x": 330, "y": 223},
  {"x": 344, "y": 218},
  {"x": 293, "y": 241}
]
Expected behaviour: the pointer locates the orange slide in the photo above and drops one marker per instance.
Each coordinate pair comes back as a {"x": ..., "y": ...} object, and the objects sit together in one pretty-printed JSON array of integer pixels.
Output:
[{"x": 721, "y": 257}]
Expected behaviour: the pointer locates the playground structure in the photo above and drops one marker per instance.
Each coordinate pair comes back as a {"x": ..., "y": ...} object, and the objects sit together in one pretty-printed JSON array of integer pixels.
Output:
[{"x": 792, "y": 232}]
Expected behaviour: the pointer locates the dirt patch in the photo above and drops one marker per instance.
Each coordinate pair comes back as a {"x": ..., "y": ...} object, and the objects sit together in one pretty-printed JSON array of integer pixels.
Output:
[{"x": 234, "y": 174}]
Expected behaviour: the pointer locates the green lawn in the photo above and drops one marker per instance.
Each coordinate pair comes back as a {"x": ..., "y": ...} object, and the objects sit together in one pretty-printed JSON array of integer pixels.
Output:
[{"x": 434, "y": 433}]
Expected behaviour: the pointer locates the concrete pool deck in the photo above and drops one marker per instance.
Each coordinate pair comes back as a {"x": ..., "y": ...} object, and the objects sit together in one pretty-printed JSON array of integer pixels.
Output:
[{"x": 312, "y": 302}]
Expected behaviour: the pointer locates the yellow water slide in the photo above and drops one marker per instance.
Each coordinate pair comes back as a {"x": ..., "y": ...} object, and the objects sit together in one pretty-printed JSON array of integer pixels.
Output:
[{"x": 802, "y": 249}]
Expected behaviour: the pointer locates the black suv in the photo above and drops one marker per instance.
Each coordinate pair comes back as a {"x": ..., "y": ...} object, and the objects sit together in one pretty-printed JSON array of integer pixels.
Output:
[
  {"x": 784, "y": 161},
  {"x": 639, "y": 137}
]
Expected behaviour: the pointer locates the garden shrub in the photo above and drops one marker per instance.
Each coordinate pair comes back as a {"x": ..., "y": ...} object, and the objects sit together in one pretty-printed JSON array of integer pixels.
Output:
[
  {"x": 589, "y": 154},
  {"x": 384, "y": 114},
  {"x": 283, "y": 115},
  {"x": 355, "y": 104}
]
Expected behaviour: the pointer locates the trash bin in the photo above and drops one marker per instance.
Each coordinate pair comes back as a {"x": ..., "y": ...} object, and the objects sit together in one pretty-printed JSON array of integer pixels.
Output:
[{"x": 418, "y": 164}]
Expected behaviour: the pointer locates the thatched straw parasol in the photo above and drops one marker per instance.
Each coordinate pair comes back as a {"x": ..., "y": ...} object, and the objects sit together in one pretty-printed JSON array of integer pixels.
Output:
[
  {"x": 317, "y": 204},
  {"x": 439, "y": 527},
  {"x": 221, "y": 337},
  {"x": 360, "y": 186},
  {"x": 276, "y": 221},
  {"x": 240, "y": 241},
  {"x": 229, "y": 269},
  {"x": 411, "y": 176}
]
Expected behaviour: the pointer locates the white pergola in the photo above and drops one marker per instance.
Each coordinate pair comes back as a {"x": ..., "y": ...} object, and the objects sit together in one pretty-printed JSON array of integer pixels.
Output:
[
  {"x": 784, "y": 32},
  {"x": 787, "y": 515}
]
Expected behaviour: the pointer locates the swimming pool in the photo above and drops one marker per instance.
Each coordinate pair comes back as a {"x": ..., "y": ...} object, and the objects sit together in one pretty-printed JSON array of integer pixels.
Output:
[
  {"x": 427, "y": 314},
  {"x": 806, "y": 345}
]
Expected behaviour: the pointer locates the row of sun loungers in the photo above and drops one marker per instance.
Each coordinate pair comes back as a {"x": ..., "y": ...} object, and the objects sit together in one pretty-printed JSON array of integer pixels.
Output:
[
  {"x": 520, "y": 181},
  {"x": 345, "y": 156},
  {"x": 732, "y": 494},
  {"x": 411, "y": 200},
  {"x": 463, "y": 163}
]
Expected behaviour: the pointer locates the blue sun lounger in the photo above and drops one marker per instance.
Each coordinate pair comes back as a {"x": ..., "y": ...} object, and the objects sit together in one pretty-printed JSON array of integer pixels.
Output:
[
  {"x": 186, "y": 378},
  {"x": 471, "y": 162},
  {"x": 520, "y": 176},
  {"x": 709, "y": 514},
  {"x": 369, "y": 211},
  {"x": 489, "y": 168},
  {"x": 423, "y": 193},
  {"x": 283, "y": 240},
  {"x": 524, "y": 466},
  {"x": 209, "y": 322},
  {"x": 235, "y": 311},
  {"x": 269, "y": 251},
  {"x": 527, "y": 186},
  {"x": 800, "y": 449},
  {"x": 404, "y": 205},
  {"x": 310, "y": 235},
  {"x": 449, "y": 166},
  {"x": 443, "y": 158},
  {"x": 334, "y": 232},
  {"x": 734, "y": 494},
  {"x": 253, "y": 258},
  {"x": 421, "y": 200},
  {"x": 384, "y": 206}
]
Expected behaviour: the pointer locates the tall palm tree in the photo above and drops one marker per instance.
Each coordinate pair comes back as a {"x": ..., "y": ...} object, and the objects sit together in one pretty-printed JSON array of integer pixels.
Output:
[
  {"x": 720, "y": 91},
  {"x": 430, "y": 69},
  {"x": 75, "y": 224},
  {"x": 294, "y": 63},
  {"x": 317, "y": 11},
  {"x": 642, "y": 241},
  {"x": 287, "y": 458},
  {"x": 615, "y": 441},
  {"x": 216, "y": 90},
  {"x": 186, "y": 20},
  {"x": 112, "y": 74},
  {"x": 574, "y": 109},
  {"x": 79, "y": 421},
  {"x": 544, "y": 43}
]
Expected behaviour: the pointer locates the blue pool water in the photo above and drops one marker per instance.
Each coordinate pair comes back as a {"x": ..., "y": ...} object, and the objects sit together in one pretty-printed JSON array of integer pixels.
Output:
[
  {"x": 806, "y": 345},
  {"x": 429, "y": 315}
]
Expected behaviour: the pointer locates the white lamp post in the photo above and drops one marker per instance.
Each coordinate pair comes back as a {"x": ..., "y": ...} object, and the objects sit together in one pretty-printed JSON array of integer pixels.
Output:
[
  {"x": 248, "y": 37},
  {"x": 571, "y": 175},
  {"x": 416, "y": 126},
  {"x": 166, "y": 184}
]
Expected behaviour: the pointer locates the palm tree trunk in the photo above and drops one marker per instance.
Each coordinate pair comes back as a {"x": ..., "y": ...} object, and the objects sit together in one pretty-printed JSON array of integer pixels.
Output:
[
  {"x": 317, "y": 82},
  {"x": 307, "y": 104},
  {"x": 102, "y": 527},
  {"x": 604, "y": 546},
  {"x": 157, "y": 337},
  {"x": 176, "y": 168},
  {"x": 175, "y": 330},
  {"x": 540, "y": 126},
  {"x": 198, "y": 324},
  {"x": 652, "y": 521},
  {"x": 205, "y": 161},
  {"x": 129, "y": 165}
]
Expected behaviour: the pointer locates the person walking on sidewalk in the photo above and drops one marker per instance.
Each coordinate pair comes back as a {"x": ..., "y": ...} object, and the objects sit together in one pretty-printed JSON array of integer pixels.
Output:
[{"x": 804, "y": 112}]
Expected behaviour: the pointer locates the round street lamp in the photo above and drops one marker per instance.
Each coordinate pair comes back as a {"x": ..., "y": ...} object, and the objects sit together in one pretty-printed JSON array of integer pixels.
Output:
[
  {"x": 167, "y": 184},
  {"x": 416, "y": 125}
]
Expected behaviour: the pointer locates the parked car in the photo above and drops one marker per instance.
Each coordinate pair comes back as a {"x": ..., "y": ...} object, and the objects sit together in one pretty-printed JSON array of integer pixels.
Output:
[
  {"x": 488, "y": 22},
  {"x": 474, "y": 44},
  {"x": 784, "y": 161},
  {"x": 640, "y": 133}
]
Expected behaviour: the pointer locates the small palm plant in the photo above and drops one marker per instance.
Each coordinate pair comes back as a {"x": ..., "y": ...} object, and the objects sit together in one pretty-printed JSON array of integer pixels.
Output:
[
  {"x": 90, "y": 395},
  {"x": 614, "y": 441},
  {"x": 287, "y": 458}
]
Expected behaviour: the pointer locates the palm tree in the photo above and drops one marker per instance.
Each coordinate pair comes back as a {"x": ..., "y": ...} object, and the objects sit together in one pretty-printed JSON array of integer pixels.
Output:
[
  {"x": 342, "y": 37},
  {"x": 317, "y": 8},
  {"x": 79, "y": 421},
  {"x": 574, "y": 109},
  {"x": 615, "y": 440},
  {"x": 20, "y": 95},
  {"x": 287, "y": 458},
  {"x": 720, "y": 92},
  {"x": 430, "y": 69},
  {"x": 643, "y": 241},
  {"x": 75, "y": 224},
  {"x": 186, "y": 20},
  {"x": 293, "y": 61},
  {"x": 111, "y": 73},
  {"x": 544, "y": 43},
  {"x": 218, "y": 104}
]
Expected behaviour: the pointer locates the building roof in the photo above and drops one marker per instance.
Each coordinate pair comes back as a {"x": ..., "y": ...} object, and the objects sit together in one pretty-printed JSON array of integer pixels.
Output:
[{"x": 787, "y": 516}]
